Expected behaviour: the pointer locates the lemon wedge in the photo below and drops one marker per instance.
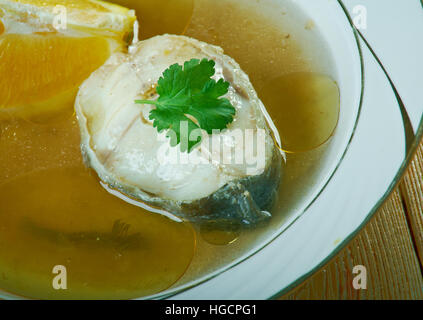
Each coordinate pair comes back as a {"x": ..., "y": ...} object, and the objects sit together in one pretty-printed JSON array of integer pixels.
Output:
[{"x": 49, "y": 47}]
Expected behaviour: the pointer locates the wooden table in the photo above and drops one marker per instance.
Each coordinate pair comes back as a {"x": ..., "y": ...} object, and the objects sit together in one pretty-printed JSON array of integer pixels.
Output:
[{"x": 390, "y": 247}]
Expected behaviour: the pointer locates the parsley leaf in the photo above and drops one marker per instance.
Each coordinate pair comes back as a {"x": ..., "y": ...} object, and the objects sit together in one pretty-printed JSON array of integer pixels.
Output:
[{"x": 190, "y": 91}]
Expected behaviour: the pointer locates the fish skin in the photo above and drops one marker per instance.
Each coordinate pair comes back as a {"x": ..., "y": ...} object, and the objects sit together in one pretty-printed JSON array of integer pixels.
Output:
[
  {"x": 243, "y": 203},
  {"x": 246, "y": 202},
  {"x": 234, "y": 201}
]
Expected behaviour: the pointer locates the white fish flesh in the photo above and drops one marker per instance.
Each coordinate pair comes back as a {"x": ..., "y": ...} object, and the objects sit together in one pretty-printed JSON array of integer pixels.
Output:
[{"x": 214, "y": 184}]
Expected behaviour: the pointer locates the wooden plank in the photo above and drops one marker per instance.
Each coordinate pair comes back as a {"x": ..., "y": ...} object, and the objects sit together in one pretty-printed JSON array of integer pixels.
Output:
[
  {"x": 412, "y": 192},
  {"x": 385, "y": 248}
]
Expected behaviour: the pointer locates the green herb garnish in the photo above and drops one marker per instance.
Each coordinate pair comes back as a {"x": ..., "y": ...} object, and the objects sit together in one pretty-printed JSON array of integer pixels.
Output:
[{"x": 190, "y": 91}]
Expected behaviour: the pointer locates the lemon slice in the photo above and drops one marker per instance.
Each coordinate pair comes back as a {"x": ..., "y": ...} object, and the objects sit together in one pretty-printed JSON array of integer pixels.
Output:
[{"x": 47, "y": 48}]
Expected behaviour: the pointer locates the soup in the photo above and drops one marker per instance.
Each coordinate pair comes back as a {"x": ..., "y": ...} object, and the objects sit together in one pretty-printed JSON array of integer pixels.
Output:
[{"x": 54, "y": 211}]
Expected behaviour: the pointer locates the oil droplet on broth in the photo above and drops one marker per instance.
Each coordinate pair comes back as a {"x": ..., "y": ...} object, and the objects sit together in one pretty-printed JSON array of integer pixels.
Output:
[
  {"x": 218, "y": 237},
  {"x": 305, "y": 108},
  {"x": 160, "y": 16},
  {"x": 110, "y": 249}
]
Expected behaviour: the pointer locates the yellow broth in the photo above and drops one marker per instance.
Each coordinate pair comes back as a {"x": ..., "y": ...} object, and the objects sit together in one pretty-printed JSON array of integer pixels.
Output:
[{"x": 54, "y": 211}]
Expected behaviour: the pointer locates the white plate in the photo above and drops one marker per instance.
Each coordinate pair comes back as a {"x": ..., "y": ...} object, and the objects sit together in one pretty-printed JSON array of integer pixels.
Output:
[
  {"x": 373, "y": 143},
  {"x": 379, "y": 129}
]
